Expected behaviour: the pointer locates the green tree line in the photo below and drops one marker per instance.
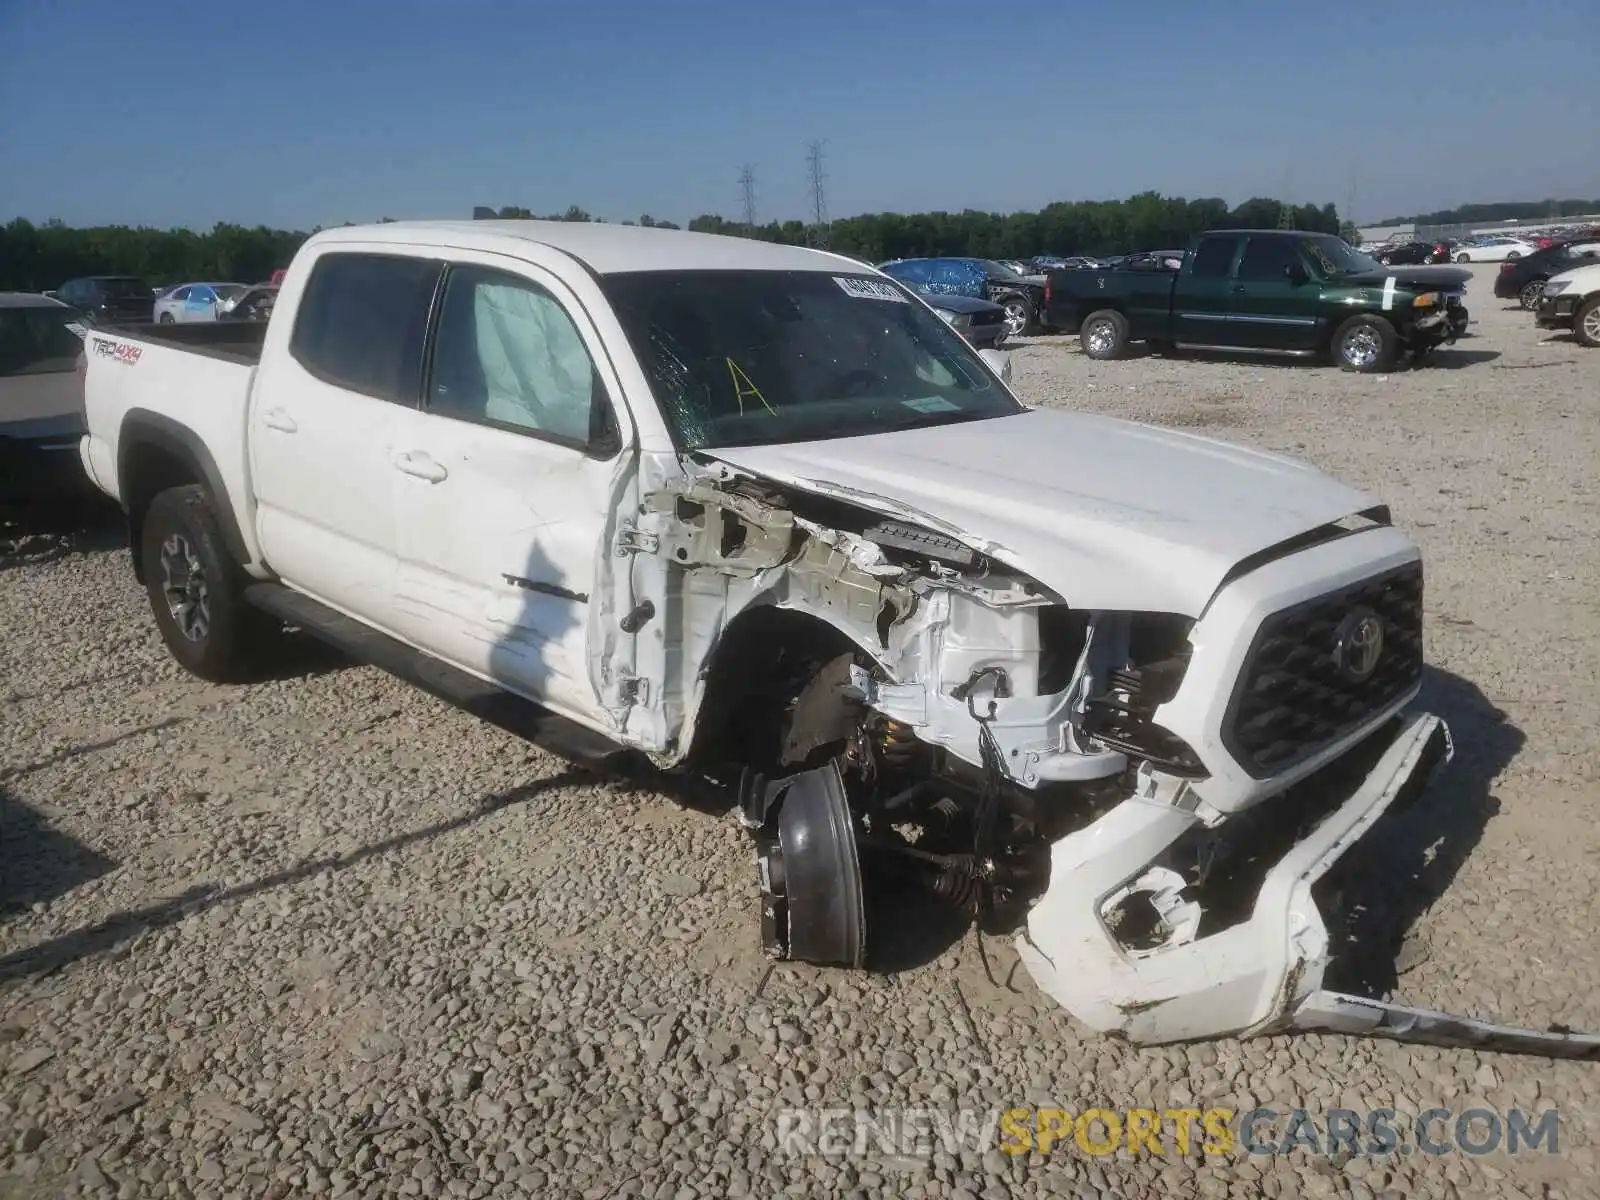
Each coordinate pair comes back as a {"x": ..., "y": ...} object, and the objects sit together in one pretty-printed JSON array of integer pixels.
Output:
[
  {"x": 1509, "y": 210},
  {"x": 40, "y": 257},
  {"x": 1148, "y": 221}
]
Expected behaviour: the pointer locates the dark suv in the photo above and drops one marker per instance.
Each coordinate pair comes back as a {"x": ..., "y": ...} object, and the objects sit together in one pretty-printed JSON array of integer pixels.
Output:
[{"x": 109, "y": 299}]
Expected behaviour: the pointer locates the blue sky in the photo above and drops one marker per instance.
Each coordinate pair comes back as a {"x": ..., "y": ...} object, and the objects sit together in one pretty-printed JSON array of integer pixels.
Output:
[{"x": 291, "y": 113}]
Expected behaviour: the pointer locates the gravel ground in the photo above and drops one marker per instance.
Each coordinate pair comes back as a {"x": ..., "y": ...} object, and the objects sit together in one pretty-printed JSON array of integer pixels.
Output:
[{"x": 325, "y": 936}]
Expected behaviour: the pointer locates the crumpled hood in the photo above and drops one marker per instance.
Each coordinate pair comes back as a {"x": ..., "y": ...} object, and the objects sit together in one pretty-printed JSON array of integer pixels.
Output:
[{"x": 1108, "y": 513}]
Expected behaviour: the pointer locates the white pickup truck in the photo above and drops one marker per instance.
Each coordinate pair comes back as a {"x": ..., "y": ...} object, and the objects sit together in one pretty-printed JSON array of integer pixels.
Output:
[{"x": 756, "y": 511}]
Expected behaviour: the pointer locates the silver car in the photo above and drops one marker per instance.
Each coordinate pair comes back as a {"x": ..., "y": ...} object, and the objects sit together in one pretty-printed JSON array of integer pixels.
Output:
[
  {"x": 41, "y": 399},
  {"x": 191, "y": 302}
]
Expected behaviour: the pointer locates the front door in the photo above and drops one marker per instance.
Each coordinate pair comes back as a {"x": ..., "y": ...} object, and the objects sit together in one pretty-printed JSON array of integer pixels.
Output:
[
  {"x": 510, "y": 479},
  {"x": 199, "y": 305},
  {"x": 1202, "y": 300},
  {"x": 323, "y": 426},
  {"x": 1275, "y": 301}
]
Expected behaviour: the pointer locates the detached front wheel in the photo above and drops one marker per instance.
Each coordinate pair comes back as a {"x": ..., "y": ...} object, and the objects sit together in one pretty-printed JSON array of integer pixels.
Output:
[
  {"x": 1365, "y": 344},
  {"x": 196, "y": 589},
  {"x": 1104, "y": 334}
]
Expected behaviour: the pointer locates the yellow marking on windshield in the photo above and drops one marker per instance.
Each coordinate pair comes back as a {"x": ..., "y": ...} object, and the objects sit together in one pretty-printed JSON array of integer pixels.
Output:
[{"x": 742, "y": 387}]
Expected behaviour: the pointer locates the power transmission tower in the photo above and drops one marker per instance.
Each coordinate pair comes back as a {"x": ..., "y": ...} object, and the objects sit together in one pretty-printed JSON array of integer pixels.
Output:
[
  {"x": 1285, "y": 211},
  {"x": 747, "y": 189},
  {"x": 1350, "y": 200},
  {"x": 819, "y": 199}
]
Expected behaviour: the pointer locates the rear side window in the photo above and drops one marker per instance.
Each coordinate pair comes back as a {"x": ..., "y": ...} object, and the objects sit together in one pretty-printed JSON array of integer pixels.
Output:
[
  {"x": 1266, "y": 259},
  {"x": 362, "y": 323},
  {"x": 1214, "y": 258}
]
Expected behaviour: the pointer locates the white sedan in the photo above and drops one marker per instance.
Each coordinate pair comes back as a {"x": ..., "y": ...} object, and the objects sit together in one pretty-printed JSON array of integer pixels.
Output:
[
  {"x": 196, "y": 302},
  {"x": 1498, "y": 249}
]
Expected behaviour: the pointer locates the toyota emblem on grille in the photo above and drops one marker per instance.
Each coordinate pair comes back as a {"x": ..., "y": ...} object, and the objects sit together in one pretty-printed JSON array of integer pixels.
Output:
[{"x": 1358, "y": 644}]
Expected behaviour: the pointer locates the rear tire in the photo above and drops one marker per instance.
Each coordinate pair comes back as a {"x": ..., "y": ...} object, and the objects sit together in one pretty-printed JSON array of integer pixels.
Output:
[
  {"x": 1586, "y": 323},
  {"x": 197, "y": 589},
  {"x": 1365, "y": 344},
  {"x": 1531, "y": 294},
  {"x": 1104, "y": 334},
  {"x": 166, "y": 319}
]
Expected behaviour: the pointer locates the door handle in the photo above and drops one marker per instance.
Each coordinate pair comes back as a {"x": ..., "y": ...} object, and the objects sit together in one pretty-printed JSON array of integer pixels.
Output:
[
  {"x": 415, "y": 462},
  {"x": 276, "y": 418},
  {"x": 1237, "y": 288}
]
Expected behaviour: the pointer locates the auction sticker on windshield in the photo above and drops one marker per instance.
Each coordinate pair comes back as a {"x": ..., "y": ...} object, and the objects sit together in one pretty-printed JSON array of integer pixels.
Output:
[
  {"x": 931, "y": 404},
  {"x": 868, "y": 289}
]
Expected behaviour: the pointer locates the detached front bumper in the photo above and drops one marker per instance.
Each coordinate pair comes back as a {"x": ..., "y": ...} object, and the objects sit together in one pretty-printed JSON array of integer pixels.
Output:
[{"x": 1250, "y": 977}]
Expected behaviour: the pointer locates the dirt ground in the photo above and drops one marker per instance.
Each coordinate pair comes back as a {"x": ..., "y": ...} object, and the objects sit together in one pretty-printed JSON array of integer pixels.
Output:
[{"x": 325, "y": 936}]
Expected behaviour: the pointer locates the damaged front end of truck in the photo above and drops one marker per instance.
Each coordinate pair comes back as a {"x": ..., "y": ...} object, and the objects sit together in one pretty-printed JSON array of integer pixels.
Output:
[{"x": 1149, "y": 800}]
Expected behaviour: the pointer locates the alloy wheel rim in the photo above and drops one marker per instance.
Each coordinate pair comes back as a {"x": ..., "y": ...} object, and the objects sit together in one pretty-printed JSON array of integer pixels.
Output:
[
  {"x": 1016, "y": 319},
  {"x": 1591, "y": 324},
  {"x": 1102, "y": 337},
  {"x": 183, "y": 586},
  {"x": 1531, "y": 293},
  {"x": 1360, "y": 347}
]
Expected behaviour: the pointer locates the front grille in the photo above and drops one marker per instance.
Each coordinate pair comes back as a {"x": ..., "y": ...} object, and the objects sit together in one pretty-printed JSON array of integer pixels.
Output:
[
  {"x": 1294, "y": 697},
  {"x": 988, "y": 318}
]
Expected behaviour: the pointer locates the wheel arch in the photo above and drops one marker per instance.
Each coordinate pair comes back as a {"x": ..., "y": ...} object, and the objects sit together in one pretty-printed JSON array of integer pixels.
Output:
[
  {"x": 155, "y": 453},
  {"x": 757, "y": 658}
]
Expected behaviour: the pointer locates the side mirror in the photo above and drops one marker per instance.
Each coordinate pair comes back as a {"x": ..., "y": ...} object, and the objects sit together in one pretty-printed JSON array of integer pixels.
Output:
[
  {"x": 999, "y": 362},
  {"x": 1296, "y": 273}
]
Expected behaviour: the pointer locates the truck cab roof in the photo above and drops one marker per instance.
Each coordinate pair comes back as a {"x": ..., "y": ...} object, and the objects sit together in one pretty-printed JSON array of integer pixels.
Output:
[{"x": 604, "y": 249}]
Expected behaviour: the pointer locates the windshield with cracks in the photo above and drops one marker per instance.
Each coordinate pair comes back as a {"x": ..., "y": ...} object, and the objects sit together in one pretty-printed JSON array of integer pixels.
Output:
[
  {"x": 745, "y": 358},
  {"x": 1337, "y": 257}
]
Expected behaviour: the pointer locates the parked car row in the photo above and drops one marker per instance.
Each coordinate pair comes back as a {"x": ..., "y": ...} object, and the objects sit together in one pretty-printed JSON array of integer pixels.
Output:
[
  {"x": 1524, "y": 279},
  {"x": 127, "y": 299}
]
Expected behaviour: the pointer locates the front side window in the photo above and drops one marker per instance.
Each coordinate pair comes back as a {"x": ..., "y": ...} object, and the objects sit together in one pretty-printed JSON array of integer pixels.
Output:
[
  {"x": 507, "y": 354},
  {"x": 739, "y": 358},
  {"x": 362, "y": 322},
  {"x": 124, "y": 287}
]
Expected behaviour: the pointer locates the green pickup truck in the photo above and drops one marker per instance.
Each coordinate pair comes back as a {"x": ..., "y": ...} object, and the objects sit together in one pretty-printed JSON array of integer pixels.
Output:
[{"x": 1258, "y": 291}]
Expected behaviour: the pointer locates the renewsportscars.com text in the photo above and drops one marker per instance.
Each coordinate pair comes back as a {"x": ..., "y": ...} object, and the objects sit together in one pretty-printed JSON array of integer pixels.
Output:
[{"x": 1161, "y": 1132}]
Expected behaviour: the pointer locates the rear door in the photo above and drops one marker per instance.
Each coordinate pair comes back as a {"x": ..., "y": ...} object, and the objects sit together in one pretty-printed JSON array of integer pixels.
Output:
[
  {"x": 1275, "y": 300},
  {"x": 510, "y": 479},
  {"x": 324, "y": 421},
  {"x": 1203, "y": 298}
]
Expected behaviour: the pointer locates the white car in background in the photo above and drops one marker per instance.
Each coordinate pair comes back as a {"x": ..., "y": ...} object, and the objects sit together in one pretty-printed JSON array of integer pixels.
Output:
[
  {"x": 191, "y": 302},
  {"x": 1496, "y": 249}
]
